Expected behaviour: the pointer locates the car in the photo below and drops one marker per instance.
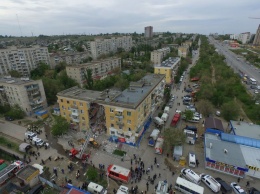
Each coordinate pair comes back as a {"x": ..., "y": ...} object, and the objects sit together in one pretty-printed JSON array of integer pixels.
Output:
[
  {"x": 257, "y": 102},
  {"x": 253, "y": 190},
  {"x": 122, "y": 190},
  {"x": 237, "y": 189},
  {"x": 218, "y": 113},
  {"x": 188, "y": 90},
  {"x": 7, "y": 118},
  {"x": 30, "y": 135},
  {"x": 210, "y": 182},
  {"x": 253, "y": 87},
  {"x": 170, "y": 104},
  {"x": 225, "y": 188},
  {"x": 178, "y": 111},
  {"x": 256, "y": 92}
]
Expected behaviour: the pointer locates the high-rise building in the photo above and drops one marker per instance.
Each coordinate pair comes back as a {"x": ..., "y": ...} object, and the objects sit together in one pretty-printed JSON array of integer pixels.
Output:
[
  {"x": 23, "y": 59},
  {"x": 104, "y": 46},
  {"x": 28, "y": 94},
  {"x": 148, "y": 32},
  {"x": 257, "y": 37}
]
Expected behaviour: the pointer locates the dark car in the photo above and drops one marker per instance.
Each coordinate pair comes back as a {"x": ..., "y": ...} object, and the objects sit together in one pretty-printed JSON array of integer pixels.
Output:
[
  {"x": 188, "y": 90},
  {"x": 253, "y": 190},
  {"x": 225, "y": 188},
  {"x": 7, "y": 118}
]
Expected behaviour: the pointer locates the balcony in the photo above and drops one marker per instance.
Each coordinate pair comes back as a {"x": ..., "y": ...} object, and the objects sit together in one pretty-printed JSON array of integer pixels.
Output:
[
  {"x": 120, "y": 123},
  {"x": 75, "y": 113},
  {"x": 119, "y": 115},
  {"x": 29, "y": 88},
  {"x": 74, "y": 107},
  {"x": 75, "y": 119}
]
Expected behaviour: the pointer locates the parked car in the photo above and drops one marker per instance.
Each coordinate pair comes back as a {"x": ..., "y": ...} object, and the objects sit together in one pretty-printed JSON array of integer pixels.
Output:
[
  {"x": 225, "y": 188},
  {"x": 237, "y": 189},
  {"x": 218, "y": 113},
  {"x": 7, "y": 118},
  {"x": 256, "y": 92},
  {"x": 253, "y": 87},
  {"x": 188, "y": 90},
  {"x": 30, "y": 135},
  {"x": 253, "y": 190},
  {"x": 210, "y": 182},
  {"x": 170, "y": 104}
]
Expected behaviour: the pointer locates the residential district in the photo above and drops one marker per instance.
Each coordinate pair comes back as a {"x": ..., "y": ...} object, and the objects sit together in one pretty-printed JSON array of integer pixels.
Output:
[{"x": 130, "y": 113}]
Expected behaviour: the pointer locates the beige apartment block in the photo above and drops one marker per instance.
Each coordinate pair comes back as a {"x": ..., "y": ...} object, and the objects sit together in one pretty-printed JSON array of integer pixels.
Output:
[
  {"x": 105, "y": 46},
  {"x": 68, "y": 58},
  {"x": 28, "y": 94},
  {"x": 22, "y": 59},
  {"x": 100, "y": 69},
  {"x": 183, "y": 51},
  {"x": 122, "y": 114},
  {"x": 158, "y": 55}
]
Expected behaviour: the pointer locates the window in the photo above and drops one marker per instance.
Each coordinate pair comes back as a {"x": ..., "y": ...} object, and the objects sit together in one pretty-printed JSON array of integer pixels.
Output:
[
  {"x": 68, "y": 101},
  {"x": 112, "y": 125},
  {"x": 111, "y": 110},
  {"x": 64, "y": 114},
  {"x": 61, "y": 100},
  {"x": 112, "y": 132},
  {"x": 74, "y": 102},
  {"x": 129, "y": 129},
  {"x": 111, "y": 118},
  {"x": 128, "y": 113},
  {"x": 129, "y": 121},
  {"x": 81, "y": 104},
  {"x": 83, "y": 118},
  {"x": 81, "y": 111}
]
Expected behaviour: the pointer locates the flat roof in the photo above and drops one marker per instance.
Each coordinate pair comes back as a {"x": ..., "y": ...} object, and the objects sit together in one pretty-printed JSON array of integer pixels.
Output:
[
  {"x": 233, "y": 156},
  {"x": 26, "y": 172},
  {"x": 129, "y": 98},
  {"x": 92, "y": 62},
  {"x": 213, "y": 123},
  {"x": 169, "y": 63},
  {"x": 15, "y": 81},
  {"x": 246, "y": 129}
]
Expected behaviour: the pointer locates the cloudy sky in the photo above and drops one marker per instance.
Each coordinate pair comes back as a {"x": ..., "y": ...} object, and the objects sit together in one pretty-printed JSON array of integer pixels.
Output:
[{"x": 54, "y": 17}]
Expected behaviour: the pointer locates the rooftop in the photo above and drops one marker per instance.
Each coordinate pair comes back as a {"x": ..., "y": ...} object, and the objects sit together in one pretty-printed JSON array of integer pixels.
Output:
[
  {"x": 162, "y": 49},
  {"x": 171, "y": 62},
  {"x": 92, "y": 62},
  {"x": 15, "y": 81},
  {"x": 233, "y": 156},
  {"x": 246, "y": 129},
  {"x": 213, "y": 123},
  {"x": 129, "y": 98},
  {"x": 26, "y": 172}
]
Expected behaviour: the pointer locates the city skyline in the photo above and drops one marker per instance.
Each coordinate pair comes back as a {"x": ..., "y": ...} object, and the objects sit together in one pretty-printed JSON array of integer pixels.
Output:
[{"x": 27, "y": 17}]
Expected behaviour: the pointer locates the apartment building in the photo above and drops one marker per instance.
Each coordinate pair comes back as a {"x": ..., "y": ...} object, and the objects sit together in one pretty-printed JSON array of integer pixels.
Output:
[
  {"x": 167, "y": 68},
  {"x": 28, "y": 94},
  {"x": 158, "y": 55},
  {"x": 100, "y": 69},
  {"x": 69, "y": 58},
  {"x": 22, "y": 59},
  {"x": 104, "y": 46},
  {"x": 187, "y": 43},
  {"x": 148, "y": 32},
  {"x": 122, "y": 114},
  {"x": 257, "y": 37},
  {"x": 183, "y": 51}
]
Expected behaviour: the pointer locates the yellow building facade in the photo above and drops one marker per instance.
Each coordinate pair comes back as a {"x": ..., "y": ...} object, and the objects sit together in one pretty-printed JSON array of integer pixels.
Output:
[
  {"x": 167, "y": 68},
  {"x": 122, "y": 114}
]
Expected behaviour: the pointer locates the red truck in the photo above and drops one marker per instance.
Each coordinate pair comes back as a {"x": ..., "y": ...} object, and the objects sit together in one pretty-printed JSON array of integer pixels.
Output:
[{"x": 175, "y": 119}]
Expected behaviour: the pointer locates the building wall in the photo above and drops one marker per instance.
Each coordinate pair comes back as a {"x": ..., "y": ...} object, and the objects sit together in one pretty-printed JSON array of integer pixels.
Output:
[
  {"x": 100, "y": 69},
  {"x": 22, "y": 60},
  {"x": 74, "y": 111},
  {"x": 148, "y": 32},
  {"x": 29, "y": 96},
  {"x": 166, "y": 71},
  {"x": 182, "y": 51},
  {"x": 158, "y": 55},
  {"x": 257, "y": 37}
]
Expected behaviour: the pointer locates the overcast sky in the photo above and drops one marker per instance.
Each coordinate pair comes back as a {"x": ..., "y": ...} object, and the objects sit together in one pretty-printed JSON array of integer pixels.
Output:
[{"x": 54, "y": 17}]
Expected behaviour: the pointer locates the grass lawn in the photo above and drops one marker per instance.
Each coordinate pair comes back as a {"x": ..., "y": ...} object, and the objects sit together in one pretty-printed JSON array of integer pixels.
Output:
[{"x": 119, "y": 152}]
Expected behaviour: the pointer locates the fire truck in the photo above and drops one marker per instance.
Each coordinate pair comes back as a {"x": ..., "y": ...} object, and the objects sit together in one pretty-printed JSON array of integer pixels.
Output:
[
  {"x": 10, "y": 171},
  {"x": 119, "y": 173}
]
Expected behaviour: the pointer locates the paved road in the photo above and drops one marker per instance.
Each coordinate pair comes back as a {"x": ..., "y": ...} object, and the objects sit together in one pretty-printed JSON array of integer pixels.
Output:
[{"x": 236, "y": 64}]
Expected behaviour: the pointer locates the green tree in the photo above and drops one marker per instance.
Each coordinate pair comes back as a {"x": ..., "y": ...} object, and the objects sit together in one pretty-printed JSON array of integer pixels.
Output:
[
  {"x": 16, "y": 112},
  {"x": 122, "y": 83},
  {"x": 89, "y": 79},
  {"x": 60, "y": 126},
  {"x": 173, "y": 137},
  {"x": 39, "y": 71},
  {"x": 14, "y": 73},
  {"x": 92, "y": 174},
  {"x": 4, "y": 108},
  {"x": 230, "y": 111},
  {"x": 205, "y": 107},
  {"x": 188, "y": 114}
]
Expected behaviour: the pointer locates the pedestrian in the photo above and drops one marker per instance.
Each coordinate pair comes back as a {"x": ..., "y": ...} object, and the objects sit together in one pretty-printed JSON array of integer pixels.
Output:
[
  {"x": 155, "y": 160},
  {"x": 159, "y": 175},
  {"x": 147, "y": 186},
  {"x": 247, "y": 184},
  {"x": 158, "y": 165},
  {"x": 43, "y": 162},
  {"x": 50, "y": 158},
  {"x": 131, "y": 161},
  {"x": 152, "y": 167},
  {"x": 46, "y": 136},
  {"x": 38, "y": 153},
  {"x": 173, "y": 173},
  {"x": 238, "y": 179},
  {"x": 197, "y": 162},
  {"x": 62, "y": 170}
]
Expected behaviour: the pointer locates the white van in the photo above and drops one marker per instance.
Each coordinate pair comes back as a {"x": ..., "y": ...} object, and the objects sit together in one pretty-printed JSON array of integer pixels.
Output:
[
  {"x": 158, "y": 121},
  {"x": 192, "y": 160},
  {"x": 30, "y": 135},
  {"x": 167, "y": 109},
  {"x": 210, "y": 182},
  {"x": 194, "y": 120},
  {"x": 95, "y": 188},
  {"x": 190, "y": 175},
  {"x": 164, "y": 117}
]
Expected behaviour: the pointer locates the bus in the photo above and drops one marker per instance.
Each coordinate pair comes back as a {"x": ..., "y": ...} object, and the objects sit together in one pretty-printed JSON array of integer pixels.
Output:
[
  {"x": 119, "y": 173},
  {"x": 188, "y": 187},
  {"x": 252, "y": 81}
]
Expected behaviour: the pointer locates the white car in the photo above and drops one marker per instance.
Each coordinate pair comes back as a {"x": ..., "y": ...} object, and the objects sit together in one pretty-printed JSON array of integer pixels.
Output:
[
  {"x": 178, "y": 111},
  {"x": 122, "y": 190},
  {"x": 237, "y": 189},
  {"x": 256, "y": 91},
  {"x": 30, "y": 135}
]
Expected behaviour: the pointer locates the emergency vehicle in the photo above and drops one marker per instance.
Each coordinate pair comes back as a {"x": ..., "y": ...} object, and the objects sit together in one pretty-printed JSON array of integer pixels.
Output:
[
  {"x": 10, "y": 171},
  {"x": 119, "y": 173},
  {"x": 158, "y": 146}
]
